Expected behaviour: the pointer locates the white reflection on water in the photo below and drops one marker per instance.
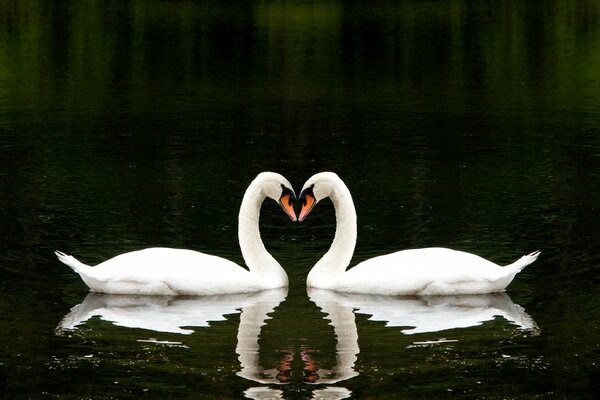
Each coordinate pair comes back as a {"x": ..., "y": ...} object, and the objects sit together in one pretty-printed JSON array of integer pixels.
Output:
[
  {"x": 427, "y": 313},
  {"x": 328, "y": 393},
  {"x": 252, "y": 319},
  {"x": 180, "y": 314},
  {"x": 344, "y": 327},
  {"x": 414, "y": 314},
  {"x": 166, "y": 313}
]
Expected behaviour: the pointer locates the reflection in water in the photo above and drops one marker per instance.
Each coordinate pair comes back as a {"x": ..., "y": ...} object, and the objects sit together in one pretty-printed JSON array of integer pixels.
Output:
[
  {"x": 427, "y": 313},
  {"x": 344, "y": 326},
  {"x": 414, "y": 314},
  {"x": 166, "y": 313},
  {"x": 331, "y": 393},
  {"x": 252, "y": 320},
  {"x": 418, "y": 314},
  {"x": 172, "y": 314},
  {"x": 328, "y": 393},
  {"x": 263, "y": 393}
]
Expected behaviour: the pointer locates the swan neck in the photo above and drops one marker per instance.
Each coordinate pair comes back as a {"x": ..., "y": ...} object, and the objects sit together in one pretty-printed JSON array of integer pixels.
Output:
[
  {"x": 339, "y": 255},
  {"x": 256, "y": 256}
]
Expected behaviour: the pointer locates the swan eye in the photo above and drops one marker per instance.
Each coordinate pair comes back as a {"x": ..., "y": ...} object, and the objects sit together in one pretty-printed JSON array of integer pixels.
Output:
[
  {"x": 288, "y": 194},
  {"x": 306, "y": 193}
]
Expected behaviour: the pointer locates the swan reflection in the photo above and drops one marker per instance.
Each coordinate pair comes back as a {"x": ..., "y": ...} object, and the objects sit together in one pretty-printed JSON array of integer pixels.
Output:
[
  {"x": 344, "y": 327},
  {"x": 328, "y": 393},
  {"x": 181, "y": 315},
  {"x": 166, "y": 313},
  {"x": 429, "y": 313},
  {"x": 252, "y": 319}
]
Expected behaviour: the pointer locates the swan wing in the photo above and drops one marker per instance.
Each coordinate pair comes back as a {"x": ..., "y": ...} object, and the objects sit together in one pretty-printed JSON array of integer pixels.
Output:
[
  {"x": 167, "y": 271},
  {"x": 424, "y": 271}
]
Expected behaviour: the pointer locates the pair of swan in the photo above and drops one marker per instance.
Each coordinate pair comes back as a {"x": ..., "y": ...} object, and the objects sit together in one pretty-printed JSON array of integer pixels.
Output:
[{"x": 165, "y": 271}]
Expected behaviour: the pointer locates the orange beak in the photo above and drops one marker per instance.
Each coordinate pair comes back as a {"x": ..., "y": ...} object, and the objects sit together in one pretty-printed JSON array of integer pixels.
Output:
[
  {"x": 285, "y": 201},
  {"x": 308, "y": 202}
]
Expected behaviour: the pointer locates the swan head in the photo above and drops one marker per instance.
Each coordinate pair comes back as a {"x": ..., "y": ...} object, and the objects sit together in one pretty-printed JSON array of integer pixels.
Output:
[
  {"x": 317, "y": 188},
  {"x": 278, "y": 188}
]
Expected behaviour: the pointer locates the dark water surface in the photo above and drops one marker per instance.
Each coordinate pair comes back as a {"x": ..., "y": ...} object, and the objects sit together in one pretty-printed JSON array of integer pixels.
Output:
[{"x": 466, "y": 124}]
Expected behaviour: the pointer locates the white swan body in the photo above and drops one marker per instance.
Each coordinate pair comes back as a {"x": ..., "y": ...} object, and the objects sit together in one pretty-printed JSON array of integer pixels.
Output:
[
  {"x": 166, "y": 271},
  {"x": 428, "y": 271}
]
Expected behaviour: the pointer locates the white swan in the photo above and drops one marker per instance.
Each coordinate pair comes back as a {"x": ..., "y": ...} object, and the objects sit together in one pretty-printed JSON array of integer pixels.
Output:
[
  {"x": 429, "y": 271},
  {"x": 165, "y": 271}
]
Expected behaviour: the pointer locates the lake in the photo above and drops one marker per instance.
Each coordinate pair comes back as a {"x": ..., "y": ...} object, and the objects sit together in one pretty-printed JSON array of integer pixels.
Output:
[{"x": 473, "y": 125}]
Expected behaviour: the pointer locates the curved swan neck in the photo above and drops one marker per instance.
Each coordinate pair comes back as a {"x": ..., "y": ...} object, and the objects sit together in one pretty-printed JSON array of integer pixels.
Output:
[
  {"x": 339, "y": 255},
  {"x": 256, "y": 256}
]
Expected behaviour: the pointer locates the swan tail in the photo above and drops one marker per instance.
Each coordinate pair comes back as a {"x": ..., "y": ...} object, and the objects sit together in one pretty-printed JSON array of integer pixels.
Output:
[
  {"x": 71, "y": 261},
  {"x": 524, "y": 261}
]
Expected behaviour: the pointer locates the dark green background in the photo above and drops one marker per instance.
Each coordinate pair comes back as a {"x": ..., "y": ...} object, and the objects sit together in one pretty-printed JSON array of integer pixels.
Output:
[{"x": 468, "y": 124}]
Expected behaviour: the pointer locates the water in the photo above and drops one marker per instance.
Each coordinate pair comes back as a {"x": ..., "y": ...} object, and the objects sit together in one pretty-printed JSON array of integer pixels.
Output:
[{"x": 467, "y": 124}]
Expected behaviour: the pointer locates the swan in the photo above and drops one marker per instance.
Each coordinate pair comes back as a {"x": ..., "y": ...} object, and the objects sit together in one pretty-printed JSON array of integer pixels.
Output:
[
  {"x": 428, "y": 271},
  {"x": 166, "y": 271}
]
